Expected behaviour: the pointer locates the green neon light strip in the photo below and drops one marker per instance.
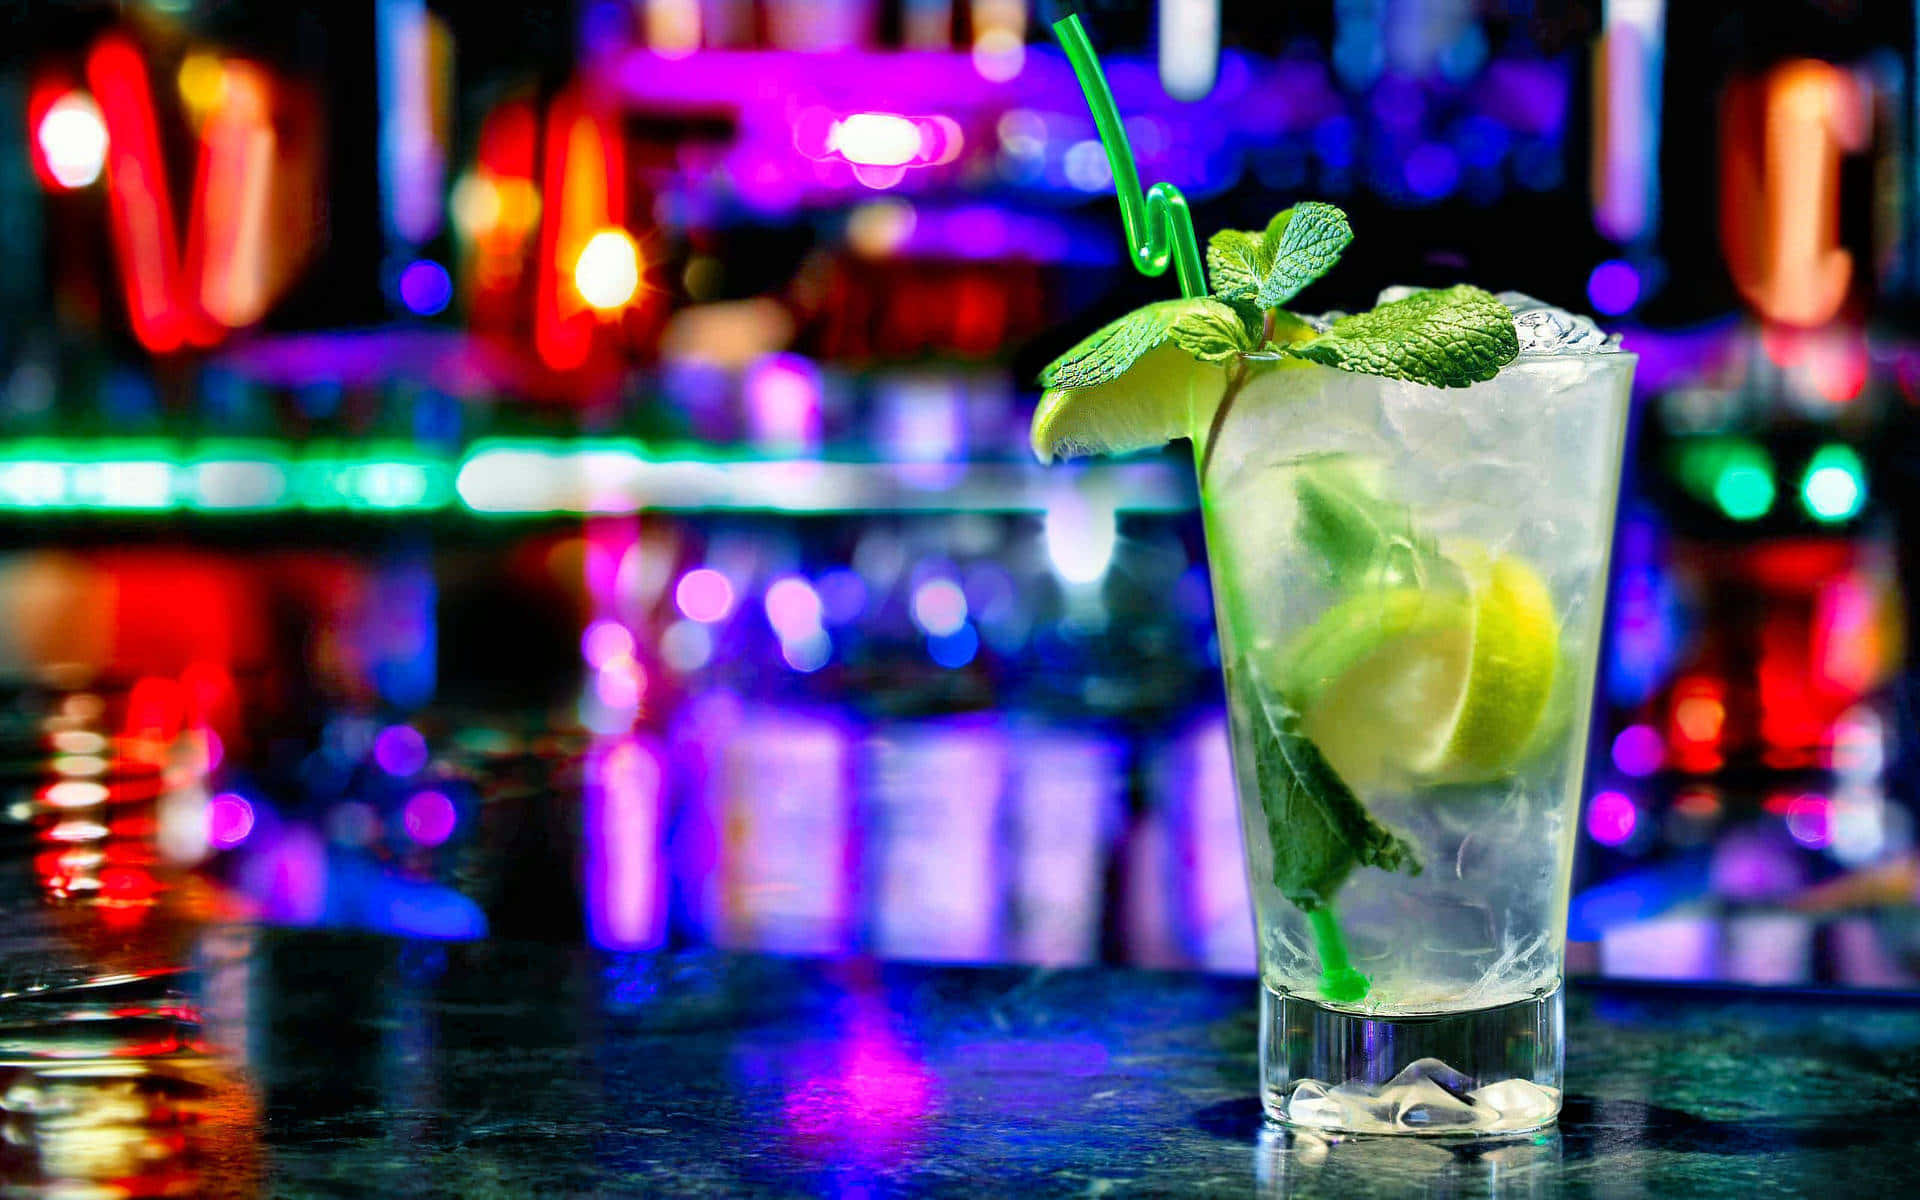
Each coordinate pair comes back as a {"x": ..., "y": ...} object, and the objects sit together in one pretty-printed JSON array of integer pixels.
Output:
[{"x": 531, "y": 477}]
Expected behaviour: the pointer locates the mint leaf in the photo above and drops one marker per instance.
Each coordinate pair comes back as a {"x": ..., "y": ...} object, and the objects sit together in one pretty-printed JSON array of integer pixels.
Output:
[
  {"x": 1236, "y": 264},
  {"x": 1299, "y": 246},
  {"x": 1105, "y": 355},
  {"x": 1358, "y": 533},
  {"x": 1319, "y": 829},
  {"x": 1448, "y": 337},
  {"x": 1211, "y": 331}
]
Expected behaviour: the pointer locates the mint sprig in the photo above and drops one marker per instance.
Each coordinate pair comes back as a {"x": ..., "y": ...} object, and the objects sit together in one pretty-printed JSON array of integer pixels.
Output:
[{"x": 1448, "y": 337}]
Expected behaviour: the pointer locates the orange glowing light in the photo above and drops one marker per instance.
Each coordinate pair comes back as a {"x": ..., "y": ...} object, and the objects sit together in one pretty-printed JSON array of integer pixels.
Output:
[
  {"x": 585, "y": 195},
  {"x": 1783, "y": 136},
  {"x": 228, "y": 242},
  {"x": 1699, "y": 718}
]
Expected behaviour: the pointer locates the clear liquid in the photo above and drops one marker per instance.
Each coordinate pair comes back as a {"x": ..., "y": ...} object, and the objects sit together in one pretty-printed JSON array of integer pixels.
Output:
[
  {"x": 1525, "y": 467},
  {"x": 1456, "y": 1026}
]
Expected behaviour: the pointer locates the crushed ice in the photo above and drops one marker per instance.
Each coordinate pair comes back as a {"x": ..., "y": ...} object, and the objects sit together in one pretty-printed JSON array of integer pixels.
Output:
[
  {"x": 1426, "y": 1096},
  {"x": 1542, "y": 328}
]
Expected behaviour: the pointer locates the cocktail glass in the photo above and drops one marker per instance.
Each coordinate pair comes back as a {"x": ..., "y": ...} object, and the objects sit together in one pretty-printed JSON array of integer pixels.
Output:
[{"x": 1409, "y": 584}]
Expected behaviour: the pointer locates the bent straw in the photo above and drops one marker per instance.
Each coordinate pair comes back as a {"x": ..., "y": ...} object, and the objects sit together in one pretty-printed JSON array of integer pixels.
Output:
[
  {"x": 1159, "y": 230},
  {"x": 1159, "y": 226}
]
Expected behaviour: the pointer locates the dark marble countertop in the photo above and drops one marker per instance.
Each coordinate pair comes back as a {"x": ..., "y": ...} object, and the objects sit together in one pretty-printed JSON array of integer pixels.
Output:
[{"x": 366, "y": 1067}]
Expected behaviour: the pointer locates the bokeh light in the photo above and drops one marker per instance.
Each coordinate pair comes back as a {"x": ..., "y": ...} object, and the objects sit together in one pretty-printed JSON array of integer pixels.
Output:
[
  {"x": 229, "y": 820},
  {"x": 607, "y": 273},
  {"x": 705, "y": 595},
  {"x": 1611, "y": 818},
  {"x": 73, "y": 139},
  {"x": 428, "y": 818},
  {"x": 604, "y": 642},
  {"x": 425, "y": 287},
  {"x": 939, "y": 607},
  {"x": 1638, "y": 750},
  {"x": 1614, "y": 287},
  {"x": 400, "y": 751},
  {"x": 1834, "y": 487}
]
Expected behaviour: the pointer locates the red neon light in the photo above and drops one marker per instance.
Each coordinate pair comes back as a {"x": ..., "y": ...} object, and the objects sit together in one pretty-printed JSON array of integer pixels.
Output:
[
  {"x": 141, "y": 209},
  {"x": 584, "y": 191}
]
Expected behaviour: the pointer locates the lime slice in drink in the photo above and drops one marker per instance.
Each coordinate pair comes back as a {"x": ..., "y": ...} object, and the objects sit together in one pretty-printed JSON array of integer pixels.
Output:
[
  {"x": 1428, "y": 685},
  {"x": 1163, "y": 396}
]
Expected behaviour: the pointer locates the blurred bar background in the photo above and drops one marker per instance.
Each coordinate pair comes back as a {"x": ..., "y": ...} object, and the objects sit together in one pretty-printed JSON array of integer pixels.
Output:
[{"x": 560, "y": 471}]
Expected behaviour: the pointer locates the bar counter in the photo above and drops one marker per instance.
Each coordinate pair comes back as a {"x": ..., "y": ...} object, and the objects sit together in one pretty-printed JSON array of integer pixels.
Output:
[{"x": 362, "y": 1066}]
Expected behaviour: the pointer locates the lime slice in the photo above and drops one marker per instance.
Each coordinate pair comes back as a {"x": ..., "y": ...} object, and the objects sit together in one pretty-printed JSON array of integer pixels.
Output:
[
  {"x": 1378, "y": 680},
  {"x": 1516, "y": 653},
  {"x": 1428, "y": 686},
  {"x": 1167, "y": 394}
]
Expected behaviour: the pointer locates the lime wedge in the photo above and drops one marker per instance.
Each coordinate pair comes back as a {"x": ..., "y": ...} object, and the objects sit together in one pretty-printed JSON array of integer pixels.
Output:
[
  {"x": 1378, "y": 680},
  {"x": 1516, "y": 653},
  {"x": 1167, "y": 394},
  {"x": 1428, "y": 686}
]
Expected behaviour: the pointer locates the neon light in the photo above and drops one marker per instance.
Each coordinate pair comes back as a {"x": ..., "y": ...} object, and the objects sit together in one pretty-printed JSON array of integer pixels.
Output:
[
  {"x": 607, "y": 272},
  {"x": 72, "y": 138},
  {"x": 625, "y": 901},
  {"x": 230, "y": 226},
  {"x": 585, "y": 195},
  {"x": 1783, "y": 137},
  {"x": 1080, "y": 539},
  {"x": 1189, "y": 47},
  {"x": 140, "y": 203},
  {"x": 412, "y": 78}
]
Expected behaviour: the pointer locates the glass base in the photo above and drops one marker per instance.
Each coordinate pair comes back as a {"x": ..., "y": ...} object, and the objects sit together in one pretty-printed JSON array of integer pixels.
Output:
[{"x": 1482, "y": 1073}]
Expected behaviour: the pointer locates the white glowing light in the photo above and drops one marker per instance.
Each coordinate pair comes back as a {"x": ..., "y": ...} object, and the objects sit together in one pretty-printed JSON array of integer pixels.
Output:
[
  {"x": 73, "y": 137},
  {"x": 1080, "y": 539},
  {"x": 876, "y": 139},
  {"x": 607, "y": 273}
]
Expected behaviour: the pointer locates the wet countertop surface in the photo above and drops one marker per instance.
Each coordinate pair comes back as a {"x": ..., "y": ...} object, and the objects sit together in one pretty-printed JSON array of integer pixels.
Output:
[{"x": 305, "y": 1064}]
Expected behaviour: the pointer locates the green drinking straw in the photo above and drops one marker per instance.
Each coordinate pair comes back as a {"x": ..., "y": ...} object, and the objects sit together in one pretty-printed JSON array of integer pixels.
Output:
[
  {"x": 1160, "y": 230},
  {"x": 1159, "y": 226}
]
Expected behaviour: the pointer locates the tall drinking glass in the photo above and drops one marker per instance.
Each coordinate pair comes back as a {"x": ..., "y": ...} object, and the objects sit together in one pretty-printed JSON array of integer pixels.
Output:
[{"x": 1409, "y": 584}]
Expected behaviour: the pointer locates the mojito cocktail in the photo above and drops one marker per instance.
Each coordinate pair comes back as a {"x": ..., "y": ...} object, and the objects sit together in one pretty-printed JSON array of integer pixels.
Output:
[
  {"x": 1408, "y": 513},
  {"x": 1409, "y": 583}
]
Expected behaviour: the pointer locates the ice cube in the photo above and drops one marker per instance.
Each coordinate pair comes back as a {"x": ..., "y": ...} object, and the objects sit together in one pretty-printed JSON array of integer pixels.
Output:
[
  {"x": 1431, "y": 1070},
  {"x": 1544, "y": 329},
  {"x": 1517, "y": 1101},
  {"x": 1424, "y": 1104}
]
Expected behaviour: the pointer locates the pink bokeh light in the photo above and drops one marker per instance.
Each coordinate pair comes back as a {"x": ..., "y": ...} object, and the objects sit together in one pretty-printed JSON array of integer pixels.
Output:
[
  {"x": 428, "y": 818},
  {"x": 1611, "y": 818}
]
